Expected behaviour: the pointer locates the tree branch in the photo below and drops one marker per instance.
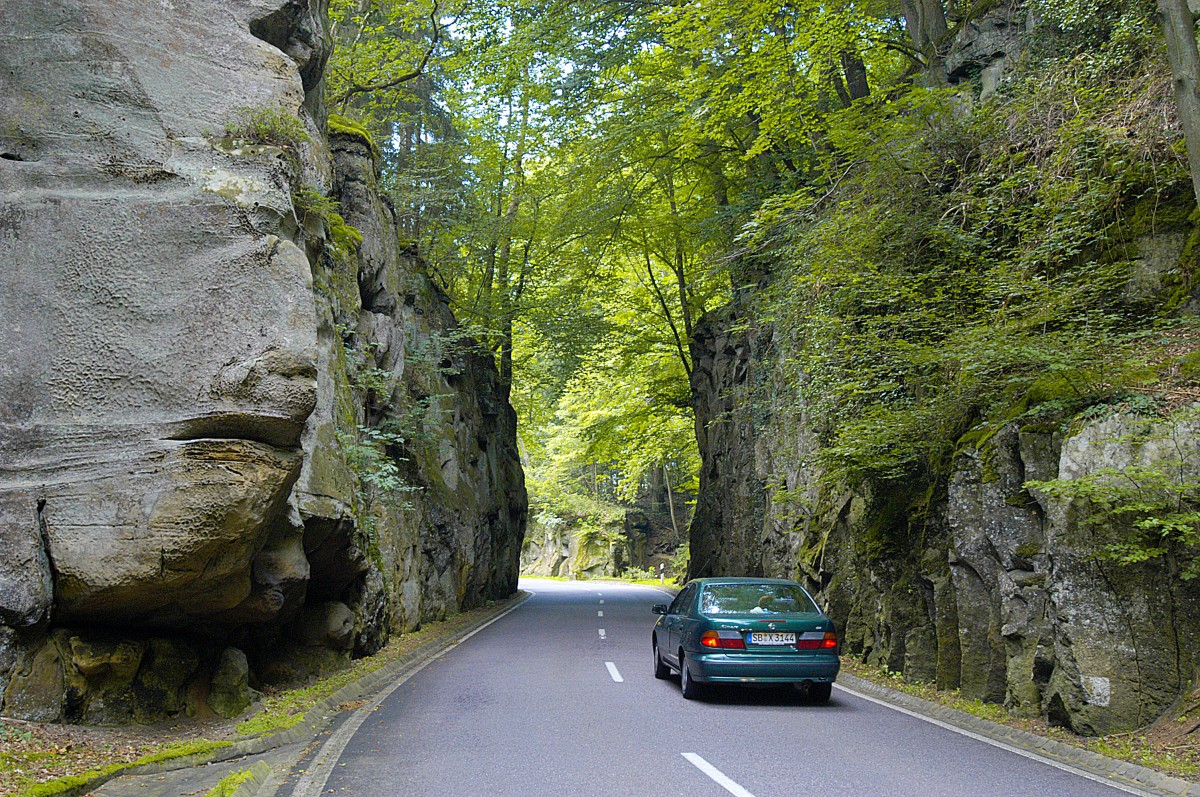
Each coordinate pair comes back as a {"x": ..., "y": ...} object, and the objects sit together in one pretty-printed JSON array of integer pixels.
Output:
[
  {"x": 662, "y": 301},
  {"x": 366, "y": 88}
]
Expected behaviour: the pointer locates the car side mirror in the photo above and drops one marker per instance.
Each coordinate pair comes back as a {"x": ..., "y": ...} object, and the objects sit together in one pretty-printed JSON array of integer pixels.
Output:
[{"x": 659, "y": 608}]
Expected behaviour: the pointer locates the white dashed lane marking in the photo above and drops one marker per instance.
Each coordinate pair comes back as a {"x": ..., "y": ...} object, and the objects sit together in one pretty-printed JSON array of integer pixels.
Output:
[
  {"x": 599, "y": 614},
  {"x": 717, "y": 775},
  {"x": 614, "y": 672},
  {"x": 602, "y": 633}
]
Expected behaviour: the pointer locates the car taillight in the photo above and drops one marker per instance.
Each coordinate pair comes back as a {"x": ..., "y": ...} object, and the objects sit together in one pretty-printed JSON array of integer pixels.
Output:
[
  {"x": 815, "y": 640},
  {"x": 728, "y": 640}
]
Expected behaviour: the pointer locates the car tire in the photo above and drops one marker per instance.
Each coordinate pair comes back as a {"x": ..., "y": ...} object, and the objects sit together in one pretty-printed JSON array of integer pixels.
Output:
[
  {"x": 661, "y": 670},
  {"x": 690, "y": 689},
  {"x": 818, "y": 694}
]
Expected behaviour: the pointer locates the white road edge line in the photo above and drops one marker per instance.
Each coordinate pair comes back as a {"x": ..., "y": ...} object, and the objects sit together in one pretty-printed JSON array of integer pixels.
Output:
[
  {"x": 614, "y": 672},
  {"x": 717, "y": 775},
  {"x": 1003, "y": 746},
  {"x": 313, "y": 782}
]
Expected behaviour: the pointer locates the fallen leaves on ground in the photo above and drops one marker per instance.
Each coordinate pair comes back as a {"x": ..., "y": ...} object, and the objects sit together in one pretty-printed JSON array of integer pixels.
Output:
[{"x": 35, "y": 752}]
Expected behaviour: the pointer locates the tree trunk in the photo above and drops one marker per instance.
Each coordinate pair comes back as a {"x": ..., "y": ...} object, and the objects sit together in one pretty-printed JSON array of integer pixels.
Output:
[
  {"x": 925, "y": 21},
  {"x": 856, "y": 75},
  {"x": 671, "y": 501},
  {"x": 1179, "y": 27},
  {"x": 839, "y": 85},
  {"x": 504, "y": 309}
]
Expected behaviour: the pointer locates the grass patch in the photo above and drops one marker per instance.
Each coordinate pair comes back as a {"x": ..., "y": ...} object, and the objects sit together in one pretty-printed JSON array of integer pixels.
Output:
[
  {"x": 273, "y": 126},
  {"x": 70, "y": 782},
  {"x": 229, "y": 784}
]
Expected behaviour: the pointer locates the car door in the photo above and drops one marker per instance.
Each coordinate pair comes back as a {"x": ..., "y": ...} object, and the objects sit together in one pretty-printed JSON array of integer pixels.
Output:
[{"x": 674, "y": 623}]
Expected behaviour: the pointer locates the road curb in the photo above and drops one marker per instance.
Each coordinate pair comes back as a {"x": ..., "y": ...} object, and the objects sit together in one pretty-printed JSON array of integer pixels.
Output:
[
  {"x": 320, "y": 715},
  {"x": 315, "y": 719},
  {"x": 260, "y": 774},
  {"x": 1121, "y": 773}
]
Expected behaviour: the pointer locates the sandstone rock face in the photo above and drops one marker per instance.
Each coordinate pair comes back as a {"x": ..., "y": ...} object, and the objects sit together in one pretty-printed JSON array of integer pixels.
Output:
[
  {"x": 1127, "y": 638},
  {"x": 732, "y": 497},
  {"x": 1001, "y": 571},
  {"x": 162, "y": 365},
  {"x": 177, "y": 389},
  {"x": 451, "y": 535},
  {"x": 988, "y": 587}
]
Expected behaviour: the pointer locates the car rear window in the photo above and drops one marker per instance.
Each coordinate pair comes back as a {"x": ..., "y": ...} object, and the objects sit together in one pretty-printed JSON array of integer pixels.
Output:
[{"x": 755, "y": 599}]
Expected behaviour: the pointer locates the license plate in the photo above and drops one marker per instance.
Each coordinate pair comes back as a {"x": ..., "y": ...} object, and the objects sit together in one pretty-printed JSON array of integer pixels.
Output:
[{"x": 772, "y": 638}]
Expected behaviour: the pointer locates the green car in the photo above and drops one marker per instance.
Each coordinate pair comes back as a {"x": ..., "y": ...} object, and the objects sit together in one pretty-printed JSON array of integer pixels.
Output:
[{"x": 746, "y": 631}]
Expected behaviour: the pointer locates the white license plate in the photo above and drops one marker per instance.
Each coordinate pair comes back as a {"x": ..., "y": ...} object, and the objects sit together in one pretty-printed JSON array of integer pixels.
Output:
[{"x": 772, "y": 638}]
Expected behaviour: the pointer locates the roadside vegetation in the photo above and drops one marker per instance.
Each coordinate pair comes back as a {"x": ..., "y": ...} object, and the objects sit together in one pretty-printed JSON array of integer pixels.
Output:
[
  {"x": 927, "y": 265},
  {"x": 229, "y": 784},
  {"x": 632, "y": 576}
]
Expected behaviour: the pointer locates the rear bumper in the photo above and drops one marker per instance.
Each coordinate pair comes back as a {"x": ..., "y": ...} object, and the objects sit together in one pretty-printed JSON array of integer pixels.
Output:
[{"x": 763, "y": 669}]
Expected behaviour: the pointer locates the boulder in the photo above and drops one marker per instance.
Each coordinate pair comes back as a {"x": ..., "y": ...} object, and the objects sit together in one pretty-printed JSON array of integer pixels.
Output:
[
  {"x": 36, "y": 688},
  {"x": 229, "y": 694},
  {"x": 1126, "y": 638},
  {"x": 1000, "y": 569},
  {"x": 162, "y": 686}
]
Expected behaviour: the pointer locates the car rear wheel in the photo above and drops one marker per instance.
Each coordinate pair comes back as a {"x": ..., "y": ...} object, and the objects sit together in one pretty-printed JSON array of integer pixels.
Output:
[
  {"x": 661, "y": 670},
  {"x": 691, "y": 690},
  {"x": 817, "y": 694}
]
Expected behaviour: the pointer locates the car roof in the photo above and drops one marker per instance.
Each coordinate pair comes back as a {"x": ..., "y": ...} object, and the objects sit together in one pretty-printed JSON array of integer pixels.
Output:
[{"x": 741, "y": 580}]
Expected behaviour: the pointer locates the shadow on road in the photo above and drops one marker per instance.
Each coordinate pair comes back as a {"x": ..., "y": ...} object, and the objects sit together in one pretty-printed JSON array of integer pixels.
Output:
[{"x": 766, "y": 696}]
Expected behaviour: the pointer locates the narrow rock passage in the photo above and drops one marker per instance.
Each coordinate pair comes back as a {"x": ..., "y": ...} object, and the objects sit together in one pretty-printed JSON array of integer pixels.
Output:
[{"x": 531, "y": 706}]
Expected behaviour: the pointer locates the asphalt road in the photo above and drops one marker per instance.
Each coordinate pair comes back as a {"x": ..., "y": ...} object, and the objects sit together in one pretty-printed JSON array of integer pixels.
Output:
[{"x": 531, "y": 707}]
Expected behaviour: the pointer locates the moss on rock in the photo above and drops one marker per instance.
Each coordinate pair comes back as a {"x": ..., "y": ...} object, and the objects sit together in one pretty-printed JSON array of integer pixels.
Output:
[{"x": 341, "y": 126}]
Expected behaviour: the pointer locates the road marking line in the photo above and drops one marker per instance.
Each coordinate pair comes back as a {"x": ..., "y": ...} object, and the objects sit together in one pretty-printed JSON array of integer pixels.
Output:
[
  {"x": 314, "y": 779},
  {"x": 602, "y": 633},
  {"x": 717, "y": 775},
  {"x": 1003, "y": 746},
  {"x": 614, "y": 672},
  {"x": 599, "y": 614},
  {"x": 602, "y": 602}
]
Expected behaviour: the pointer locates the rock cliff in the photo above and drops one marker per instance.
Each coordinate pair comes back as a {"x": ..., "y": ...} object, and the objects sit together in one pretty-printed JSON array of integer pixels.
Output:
[
  {"x": 987, "y": 586},
  {"x": 997, "y": 560},
  {"x": 237, "y": 443}
]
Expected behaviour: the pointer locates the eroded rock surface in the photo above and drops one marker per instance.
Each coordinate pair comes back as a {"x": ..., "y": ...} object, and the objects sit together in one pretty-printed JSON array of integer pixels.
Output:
[
  {"x": 177, "y": 390},
  {"x": 161, "y": 358}
]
